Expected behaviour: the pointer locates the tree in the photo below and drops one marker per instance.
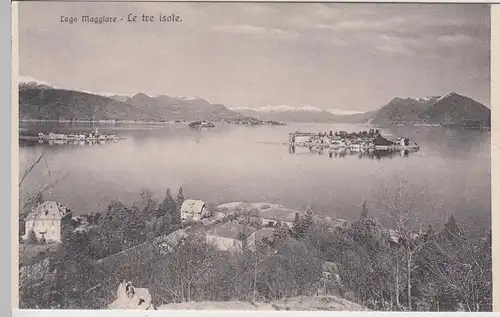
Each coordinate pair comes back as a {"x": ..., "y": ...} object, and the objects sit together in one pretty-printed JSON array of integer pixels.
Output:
[
  {"x": 308, "y": 218},
  {"x": 176, "y": 219},
  {"x": 364, "y": 256},
  {"x": 29, "y": 196},
  {"x": 296, "y": 221},
  {"x": 293, "y": 270},
  {"x": 401, "y": 207},
  {"x": 76, "y": 272},
  {"x": 364, "y": 212},
  {"x": 67, "y": 231},
  {"x": 120, "y": 228},
  {"x": 134, "y": 228},
  {"x": 39, "y": 199},
  {"x": 302, "y": 224},
  {"x": 180, "y": 198},
  {"x": 149, "y": 203},
  {"x": 161, "y": 226},
  {"x": 251, "y": 217},
  {"x": 32, "y": 239},
  {"x": 188, "y": 263},
  {"x": 299, "y": 230},
  {"x": 456, "y": 270},
  {"x": 168, "y": 207},
  {"x": 280, "y": 234},
  {"x": 451, "y": 231}
]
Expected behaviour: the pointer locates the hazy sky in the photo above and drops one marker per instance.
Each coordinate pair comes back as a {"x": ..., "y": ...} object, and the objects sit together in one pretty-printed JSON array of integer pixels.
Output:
[{"x": 330, "y": 56}]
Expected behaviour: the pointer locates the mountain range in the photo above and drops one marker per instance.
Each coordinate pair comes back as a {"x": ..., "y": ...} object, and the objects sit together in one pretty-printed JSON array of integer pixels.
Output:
[
  {"x": 451, "y": 109},
  {"x": 306, "y": 114},
  {"x": 41, "y": 101}
]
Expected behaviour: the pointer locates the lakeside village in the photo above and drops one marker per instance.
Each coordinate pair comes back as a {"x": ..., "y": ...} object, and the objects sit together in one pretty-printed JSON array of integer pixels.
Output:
[
  {"x": 70, "y": 138},
  {"x": 241, "y": 121},
  {"x": 230, "y": 227},
  {"x": 363, "y": 141},
  {"x": 196, "y": 123},
  {"x": 237, "y": 253}
]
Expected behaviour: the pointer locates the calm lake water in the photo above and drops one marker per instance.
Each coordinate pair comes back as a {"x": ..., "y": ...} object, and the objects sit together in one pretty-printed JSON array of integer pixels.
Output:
[{"x": 241, "y": 163}]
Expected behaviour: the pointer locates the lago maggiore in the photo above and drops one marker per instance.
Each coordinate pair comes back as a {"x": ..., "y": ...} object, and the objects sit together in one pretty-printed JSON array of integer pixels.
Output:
[
  {"x": 254, "y": 163},
  {"x": 281, "y": 156}
]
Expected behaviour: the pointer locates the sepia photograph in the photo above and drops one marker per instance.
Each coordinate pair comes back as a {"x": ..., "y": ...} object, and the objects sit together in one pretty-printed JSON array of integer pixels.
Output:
[{"x": 253, "y": 156}]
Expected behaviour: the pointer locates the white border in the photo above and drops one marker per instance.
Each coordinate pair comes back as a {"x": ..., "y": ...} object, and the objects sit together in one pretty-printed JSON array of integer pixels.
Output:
[{"x": 495, "y": 176}]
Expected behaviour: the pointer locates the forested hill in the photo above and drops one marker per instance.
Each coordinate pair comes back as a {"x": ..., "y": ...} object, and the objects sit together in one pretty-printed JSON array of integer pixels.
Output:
[
  {"x": 40, "y": 102},
  {"x": 452, "y": 109}
]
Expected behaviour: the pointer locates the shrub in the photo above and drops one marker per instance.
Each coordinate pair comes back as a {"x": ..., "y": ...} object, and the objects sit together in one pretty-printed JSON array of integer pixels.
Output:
[{"x": 32, "y": 239}]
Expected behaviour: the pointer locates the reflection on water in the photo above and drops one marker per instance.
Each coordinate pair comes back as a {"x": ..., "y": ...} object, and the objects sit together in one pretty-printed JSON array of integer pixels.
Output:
[
  {"x": 238, "y": 163},
  {"x": 63, "y": 143},
  {"x": 344, "y": 152}
]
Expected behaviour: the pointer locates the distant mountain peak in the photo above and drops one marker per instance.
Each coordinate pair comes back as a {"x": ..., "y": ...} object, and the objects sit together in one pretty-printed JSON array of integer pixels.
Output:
[
  {"x": 450, "y": 109},
  {"x": 423, "y": 100},
  {"x": 141, "y": 95},
  {"x": 280, "y": 108},
  {"x": 26, "y": 81}
]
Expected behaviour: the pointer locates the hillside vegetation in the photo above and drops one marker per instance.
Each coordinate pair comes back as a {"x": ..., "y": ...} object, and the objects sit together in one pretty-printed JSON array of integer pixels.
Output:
[
  {"x": 300, "y": 303},
  {"x": 380, "y": 269},
  {"x": 452, "y": 109},
  {"x": 37, "y": 102}
]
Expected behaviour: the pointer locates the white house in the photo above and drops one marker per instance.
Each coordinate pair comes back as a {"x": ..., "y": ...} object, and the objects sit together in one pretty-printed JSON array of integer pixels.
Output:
[
  {"x": 229, "y": 236},
  {"x": 47, "y": 219},
  {"x": 193, "y": 210},
  {"x": 273, "y": 215}
]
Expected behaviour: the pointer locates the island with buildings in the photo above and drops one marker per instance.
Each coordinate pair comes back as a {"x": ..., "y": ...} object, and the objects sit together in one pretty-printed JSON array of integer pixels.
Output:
[
  {"x": 68, "y": 138},
  {"x": 354, "y": 141}
]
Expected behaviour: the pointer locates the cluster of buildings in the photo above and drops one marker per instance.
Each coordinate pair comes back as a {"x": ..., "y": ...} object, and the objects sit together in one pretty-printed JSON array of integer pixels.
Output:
[
  {"x": 69, "y": 138},
  {"x": 201, "y": 124},
  {"x": 77, "y": 137},
  {"x": 371, "y": 139},
  {"x": 232, "y": 236},
  {"x": 252, "y": 121}
]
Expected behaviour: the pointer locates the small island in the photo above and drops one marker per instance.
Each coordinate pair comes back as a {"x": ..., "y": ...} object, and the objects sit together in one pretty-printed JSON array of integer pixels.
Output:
[
  {"x": 354, "y": 141},
  {"x": 201, "y": 124},
  {"x": 63, "y": 138}
]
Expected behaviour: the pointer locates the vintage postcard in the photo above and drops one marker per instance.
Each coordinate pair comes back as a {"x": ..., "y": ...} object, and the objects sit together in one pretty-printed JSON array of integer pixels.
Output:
[{"x": 252, "y": 156}]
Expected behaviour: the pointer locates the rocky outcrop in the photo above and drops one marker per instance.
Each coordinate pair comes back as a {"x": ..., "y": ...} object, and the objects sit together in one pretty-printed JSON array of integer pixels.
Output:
[{"x": 128, "y": 297}]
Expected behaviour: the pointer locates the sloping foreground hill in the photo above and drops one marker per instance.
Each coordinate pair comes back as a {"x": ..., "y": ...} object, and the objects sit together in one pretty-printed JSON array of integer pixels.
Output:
[
  {"x": 59, "y": 104},
  {"x": 301, "y": 303},
  {"x": 452, "y": 109}
]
